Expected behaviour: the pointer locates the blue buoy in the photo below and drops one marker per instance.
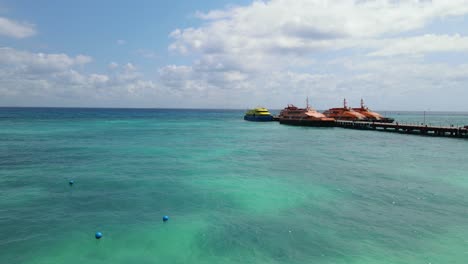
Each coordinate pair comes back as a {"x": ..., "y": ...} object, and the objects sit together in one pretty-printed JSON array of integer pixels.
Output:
[
  {"x": 165, "y": 218},
  {"x": 98, "y": 235},
  {"x": 71, "y": 182}
]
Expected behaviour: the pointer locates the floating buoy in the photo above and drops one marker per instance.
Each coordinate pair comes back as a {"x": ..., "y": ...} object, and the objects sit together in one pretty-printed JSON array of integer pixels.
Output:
[
  {"x": 71, "y": 182},
  {"x": 98, "y": 235},
  {"x": 165, "y": 218}
]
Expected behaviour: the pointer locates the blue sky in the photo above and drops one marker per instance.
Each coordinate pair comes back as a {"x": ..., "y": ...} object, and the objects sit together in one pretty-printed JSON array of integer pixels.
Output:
[
  {"x": 404, "y": 55},
  {"x": 94, "y": 28}
]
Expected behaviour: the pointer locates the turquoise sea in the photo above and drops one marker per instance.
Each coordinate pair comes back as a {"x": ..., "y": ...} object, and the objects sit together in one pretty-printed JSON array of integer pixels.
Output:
[{"x": 235, "y": 191}]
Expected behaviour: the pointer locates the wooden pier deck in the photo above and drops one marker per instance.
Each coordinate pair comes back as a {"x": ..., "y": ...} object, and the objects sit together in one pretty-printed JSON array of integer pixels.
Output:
[{"x": 441, "y": 131}]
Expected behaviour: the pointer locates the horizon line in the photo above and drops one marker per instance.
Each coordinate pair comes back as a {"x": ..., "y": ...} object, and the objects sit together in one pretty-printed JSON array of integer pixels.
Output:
[{"x": 196, "y": 108}]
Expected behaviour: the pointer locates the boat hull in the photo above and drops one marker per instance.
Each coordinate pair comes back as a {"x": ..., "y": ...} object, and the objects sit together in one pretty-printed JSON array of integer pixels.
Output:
[
  {"x": 382, "y": 120},
  {"x": 344, "y": 118},
  {"x": 257, "y": 118},
  {"x": 386, "y": 120},
  {"x": 306, "y": 122}
]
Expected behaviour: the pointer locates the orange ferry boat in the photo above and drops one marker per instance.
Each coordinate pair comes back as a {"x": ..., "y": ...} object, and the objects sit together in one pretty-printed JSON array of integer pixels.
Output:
[
  {"x": 292, "y": 115},
  {"x": 344, "y": 113},
  {"x": 372, "y": 116}
]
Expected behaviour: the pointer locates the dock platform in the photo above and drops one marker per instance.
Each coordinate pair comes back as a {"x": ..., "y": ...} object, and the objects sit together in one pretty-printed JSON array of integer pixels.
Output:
[{"x": 441, "y": 131}]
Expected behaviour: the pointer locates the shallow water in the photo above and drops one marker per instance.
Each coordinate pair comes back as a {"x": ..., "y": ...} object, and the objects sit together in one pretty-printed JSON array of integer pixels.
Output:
[{"x": 235, "y": 191}]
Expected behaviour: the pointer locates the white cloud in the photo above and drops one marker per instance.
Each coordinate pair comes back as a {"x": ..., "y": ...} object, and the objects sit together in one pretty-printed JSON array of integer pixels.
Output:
[
  {"x": 15, "y": 29},
  {"x": 121, "y": 42},
  {"x": 272, "y": 53},
  {"x": 58, "y": 79},
  {"x": 113, "y": 65},
  {"x": 39, "y": 63},
  {"x": 280, "y": 34},
  {"x": 297, "y": 26},
  {"x": 423, "y": 44},
  {"x": 286, "y": 48},
  {"x": 99, "y": 78},
  {"x": 129, "y": 67}
]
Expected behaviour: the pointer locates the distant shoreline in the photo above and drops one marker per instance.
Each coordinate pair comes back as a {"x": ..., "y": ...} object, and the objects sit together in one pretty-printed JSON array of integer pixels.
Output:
[{"x": 387, "y": 112}]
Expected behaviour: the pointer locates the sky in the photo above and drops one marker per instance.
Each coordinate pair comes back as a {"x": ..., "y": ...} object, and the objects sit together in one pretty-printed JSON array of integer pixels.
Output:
[{"x": 395, "y": 54}]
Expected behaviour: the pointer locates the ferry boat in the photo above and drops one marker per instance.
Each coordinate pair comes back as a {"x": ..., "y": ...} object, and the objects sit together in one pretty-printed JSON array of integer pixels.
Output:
[
  {"x": 344, "y": 113},
  {"x": 259, "y": 114},
  {"x": 372, "y": 116},
  {"x": 292, "y": 115}
]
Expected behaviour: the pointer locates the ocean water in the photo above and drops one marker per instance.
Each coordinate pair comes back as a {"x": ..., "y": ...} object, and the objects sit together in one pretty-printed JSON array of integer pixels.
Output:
[{"x": 235, "y": 191}]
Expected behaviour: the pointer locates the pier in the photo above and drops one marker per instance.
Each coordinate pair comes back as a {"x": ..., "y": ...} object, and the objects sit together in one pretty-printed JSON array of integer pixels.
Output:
[{"x": 441, "y": 131}]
